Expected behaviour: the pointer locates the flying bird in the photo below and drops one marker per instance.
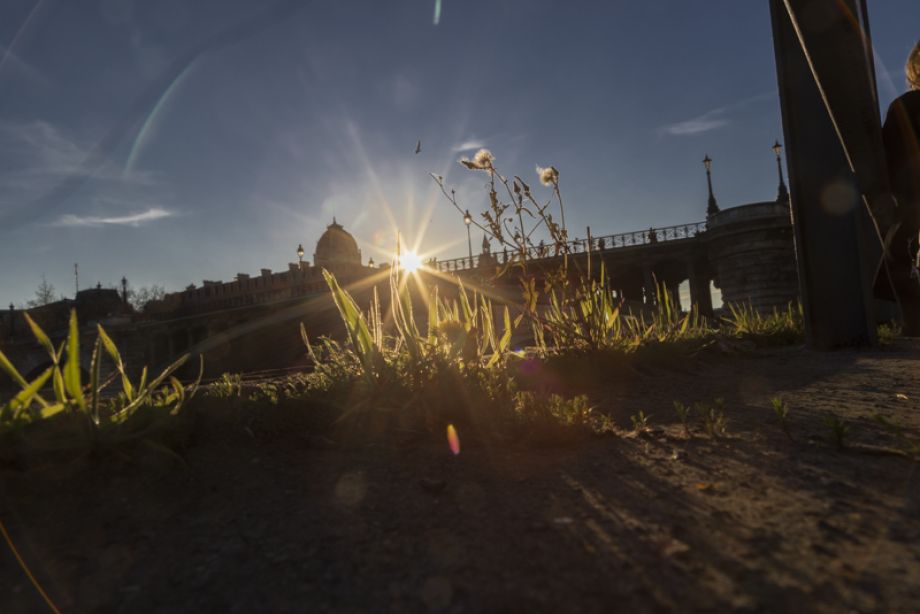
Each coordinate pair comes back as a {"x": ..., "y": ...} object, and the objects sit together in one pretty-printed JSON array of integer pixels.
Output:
[{"x": 418, "y": 147}]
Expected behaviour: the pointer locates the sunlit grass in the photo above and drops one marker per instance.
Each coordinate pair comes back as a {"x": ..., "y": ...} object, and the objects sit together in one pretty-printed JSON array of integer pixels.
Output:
[{"x": 81, "y": 412}]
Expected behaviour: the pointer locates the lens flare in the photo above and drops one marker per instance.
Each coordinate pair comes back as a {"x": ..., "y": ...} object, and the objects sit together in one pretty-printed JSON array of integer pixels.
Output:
[
  {"x": 409, "y": 261},
  {"x": 148, "y": 128},
  {"x": 453, "y": 440}
]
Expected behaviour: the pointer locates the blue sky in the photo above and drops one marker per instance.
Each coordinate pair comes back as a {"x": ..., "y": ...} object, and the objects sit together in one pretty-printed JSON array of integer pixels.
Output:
[{"x": 176, "y": 141}]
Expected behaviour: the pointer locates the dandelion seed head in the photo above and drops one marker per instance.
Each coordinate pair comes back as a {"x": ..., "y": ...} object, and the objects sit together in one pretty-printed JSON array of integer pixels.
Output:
[{"x": 548, "y": 176}]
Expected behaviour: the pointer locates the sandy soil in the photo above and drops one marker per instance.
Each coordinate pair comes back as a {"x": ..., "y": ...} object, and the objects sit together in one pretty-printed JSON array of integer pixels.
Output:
[{"x": 270, "y": 518}]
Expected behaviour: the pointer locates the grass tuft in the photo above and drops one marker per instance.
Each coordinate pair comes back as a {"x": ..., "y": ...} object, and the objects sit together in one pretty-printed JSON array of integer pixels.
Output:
[{"x": 79, "y": 415}]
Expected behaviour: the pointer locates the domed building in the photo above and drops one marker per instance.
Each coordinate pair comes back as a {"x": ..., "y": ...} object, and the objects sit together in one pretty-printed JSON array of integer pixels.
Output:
[{"x": 336, "y": 249}]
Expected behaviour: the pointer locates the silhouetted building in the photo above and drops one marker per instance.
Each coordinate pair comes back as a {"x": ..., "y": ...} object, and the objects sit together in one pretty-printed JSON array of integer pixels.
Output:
[{"x": 336, "y": 249}]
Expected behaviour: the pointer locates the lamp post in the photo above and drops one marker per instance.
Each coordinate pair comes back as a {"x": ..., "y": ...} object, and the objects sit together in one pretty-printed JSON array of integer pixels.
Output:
[
  {"x": 712, "y": 208},
  {"x": 300, "y": 254},
  {"x": 783, "y": 195},
  {"x": 468, "y": 219},
  {"x": 124, "y": 289}
]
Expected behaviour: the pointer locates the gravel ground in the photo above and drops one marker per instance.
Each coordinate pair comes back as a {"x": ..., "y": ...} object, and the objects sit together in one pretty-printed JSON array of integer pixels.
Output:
[{"x": 271, "y": 518}]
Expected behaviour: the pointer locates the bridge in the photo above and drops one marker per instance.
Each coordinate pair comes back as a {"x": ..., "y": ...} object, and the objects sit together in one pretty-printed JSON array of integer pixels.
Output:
[
  {"x": 746, "y": 252},
  {"x": 252, "y": 324}
]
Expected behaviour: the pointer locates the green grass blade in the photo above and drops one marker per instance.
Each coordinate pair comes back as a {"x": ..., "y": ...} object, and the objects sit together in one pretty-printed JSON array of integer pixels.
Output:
[
  {"x": 7, "y": 366},
  {"x": 142, "y": 384},
  {"x": 433, "y": 315},
  {"x": 41, "y": 337},
  {"x": 112, "y": 350},
  {"x": 183, "y": 395},
  {"x": 128, "y": 409},
  {"x": 505, "y": 341},
  {"x": 24, "y": 399},
  {"x": 467, "y": 311},
  {"x": 60, "y": 394},
  {"x": 72, "y": 367},
  {"x": 306, "y": 342},
  {"x": 94, "y": 380},
  {"x": 51, "y": 410},
  {"x": 358, "y": 333},
  {"x": 178, "y": 394},
  {"x": 197, "y": 383}
]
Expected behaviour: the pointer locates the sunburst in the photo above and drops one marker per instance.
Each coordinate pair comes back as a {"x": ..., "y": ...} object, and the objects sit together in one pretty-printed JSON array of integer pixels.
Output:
[{"x": 410, "y": 261}]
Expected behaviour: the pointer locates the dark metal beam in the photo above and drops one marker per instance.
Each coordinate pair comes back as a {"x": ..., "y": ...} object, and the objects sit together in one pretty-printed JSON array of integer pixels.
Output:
[{"x": 827, "y": 96}]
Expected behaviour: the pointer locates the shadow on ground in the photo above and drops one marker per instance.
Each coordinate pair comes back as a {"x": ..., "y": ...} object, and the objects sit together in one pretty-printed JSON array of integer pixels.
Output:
[{"x": 284, "y": 520}]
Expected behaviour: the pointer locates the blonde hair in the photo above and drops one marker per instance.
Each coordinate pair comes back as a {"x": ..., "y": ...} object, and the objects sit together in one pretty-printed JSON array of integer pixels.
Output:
[{"x": 913, "y": 67}]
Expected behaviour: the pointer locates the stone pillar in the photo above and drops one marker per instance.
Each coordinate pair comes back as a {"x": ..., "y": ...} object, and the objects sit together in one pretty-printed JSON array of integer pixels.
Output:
[
  {"x": 674, "y": 292},
  {"x": 699, "y": 288}
]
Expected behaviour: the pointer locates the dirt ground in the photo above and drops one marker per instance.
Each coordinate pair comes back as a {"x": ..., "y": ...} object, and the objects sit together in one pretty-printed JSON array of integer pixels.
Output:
[{"x": 267, "y": 519}]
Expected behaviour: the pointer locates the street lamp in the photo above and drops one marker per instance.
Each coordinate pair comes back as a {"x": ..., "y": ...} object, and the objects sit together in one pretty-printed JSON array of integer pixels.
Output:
[
  {"x": 468, "y": 219},
  {"x": 712, "y": 208},
  {"x": 783, "y": 195},
  {"x": 300, "y": 254}
]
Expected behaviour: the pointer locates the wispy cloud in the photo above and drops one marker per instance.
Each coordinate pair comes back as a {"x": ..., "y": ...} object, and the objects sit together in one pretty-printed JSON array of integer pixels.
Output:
[
  {"x": 45, "y": 154},
  {"x": 137, "y": 219},
  {"x": 43, "y": 165},
  {"x": 713, "y": 119},
  {"x": 6, "y": 54},
  {"x": 468, "y": 145},
  {"x": 19, "y": 66}
]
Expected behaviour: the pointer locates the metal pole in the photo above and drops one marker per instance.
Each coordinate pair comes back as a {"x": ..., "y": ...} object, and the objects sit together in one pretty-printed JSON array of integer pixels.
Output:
[{"x": 829, "y": 222}]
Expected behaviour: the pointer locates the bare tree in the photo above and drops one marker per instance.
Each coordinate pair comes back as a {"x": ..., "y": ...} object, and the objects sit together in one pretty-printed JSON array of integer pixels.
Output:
[
  {"x": 44, "y": 294},
  {"x": 141, "y": 296}
]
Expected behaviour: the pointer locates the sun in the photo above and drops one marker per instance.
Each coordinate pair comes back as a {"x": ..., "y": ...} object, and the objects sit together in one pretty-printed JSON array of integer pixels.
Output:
[{"x": 409, "y": 261}]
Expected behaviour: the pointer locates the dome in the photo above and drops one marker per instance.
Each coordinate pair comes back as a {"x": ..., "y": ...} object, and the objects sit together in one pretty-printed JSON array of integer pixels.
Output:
[{"x": 336, "y": 247}]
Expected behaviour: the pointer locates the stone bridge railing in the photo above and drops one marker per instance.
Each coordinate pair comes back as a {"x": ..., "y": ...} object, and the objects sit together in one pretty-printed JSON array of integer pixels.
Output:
[{"x": 597, "y": 244}]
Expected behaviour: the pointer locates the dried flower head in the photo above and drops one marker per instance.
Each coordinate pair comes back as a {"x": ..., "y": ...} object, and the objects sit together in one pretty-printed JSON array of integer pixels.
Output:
[
  {"x": 913, "y": 67},
  {"x": 483, "y": 158},
  {"x": 548, "y": 176},
  {"x": 482, "y": 161}
]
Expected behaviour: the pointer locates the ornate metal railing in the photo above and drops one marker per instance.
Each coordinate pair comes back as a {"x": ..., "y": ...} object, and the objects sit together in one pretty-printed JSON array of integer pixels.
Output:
[{"x": 580, "y": 246}]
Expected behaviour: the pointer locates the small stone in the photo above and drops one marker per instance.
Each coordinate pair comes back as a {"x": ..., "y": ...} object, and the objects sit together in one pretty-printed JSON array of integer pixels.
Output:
[
  {"x": 563, "y": 520},
  {"x": 674, "y": 547}
]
